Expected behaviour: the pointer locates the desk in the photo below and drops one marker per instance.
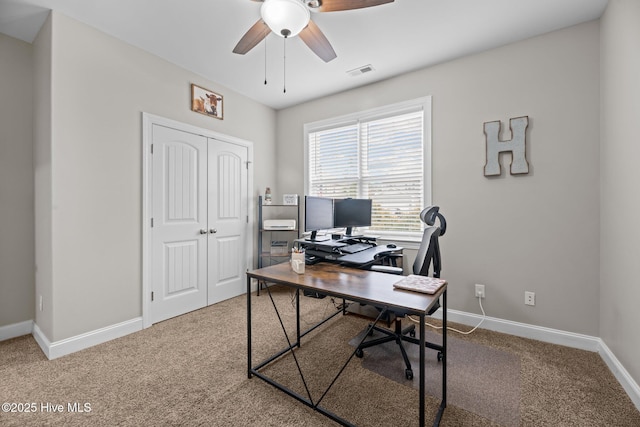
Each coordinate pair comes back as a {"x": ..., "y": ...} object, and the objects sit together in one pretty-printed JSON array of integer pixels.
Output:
[{"x": 361, "y": 286}]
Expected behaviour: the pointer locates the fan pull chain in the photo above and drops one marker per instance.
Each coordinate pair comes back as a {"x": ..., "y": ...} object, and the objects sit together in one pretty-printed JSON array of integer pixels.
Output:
[
  {"x": 265, "y": 61},
  {"x": 284, "y": 67}
]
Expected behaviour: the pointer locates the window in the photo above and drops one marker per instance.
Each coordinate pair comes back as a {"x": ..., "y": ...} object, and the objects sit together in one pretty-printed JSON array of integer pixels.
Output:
[{"x": 381, "y": 154}]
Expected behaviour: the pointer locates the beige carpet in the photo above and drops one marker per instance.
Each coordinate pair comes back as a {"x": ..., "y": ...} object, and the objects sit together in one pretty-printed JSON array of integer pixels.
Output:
[{"x": 192, "y": 371}]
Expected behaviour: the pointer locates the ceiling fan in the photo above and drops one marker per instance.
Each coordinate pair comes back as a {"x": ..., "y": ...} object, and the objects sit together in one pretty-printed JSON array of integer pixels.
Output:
[{"x": 288, "y": 18}]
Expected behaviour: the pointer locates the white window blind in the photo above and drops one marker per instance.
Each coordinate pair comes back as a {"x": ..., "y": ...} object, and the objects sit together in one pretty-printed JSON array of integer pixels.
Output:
[
  {"x": 381, "y": 158},
  {"x": 334, "y": 167}
]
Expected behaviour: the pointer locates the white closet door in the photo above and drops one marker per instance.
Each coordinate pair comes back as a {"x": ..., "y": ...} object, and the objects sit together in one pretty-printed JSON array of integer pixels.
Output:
[
  {"x": 179, "y": 234},
  {"x": 228, "y": 220}
]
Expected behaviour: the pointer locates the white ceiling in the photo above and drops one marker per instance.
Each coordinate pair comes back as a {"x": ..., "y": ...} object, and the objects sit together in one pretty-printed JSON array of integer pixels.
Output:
[{"x": 395, "y": 38}]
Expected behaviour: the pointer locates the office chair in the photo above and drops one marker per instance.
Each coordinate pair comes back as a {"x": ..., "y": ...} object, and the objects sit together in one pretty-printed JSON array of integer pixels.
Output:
[{"x": 428, "y": 253}]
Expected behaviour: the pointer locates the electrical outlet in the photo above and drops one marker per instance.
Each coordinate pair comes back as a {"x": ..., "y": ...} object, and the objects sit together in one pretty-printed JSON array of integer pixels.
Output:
[
  {"x": 479, "y": 291},
  {"x": 530, "y": 298}
]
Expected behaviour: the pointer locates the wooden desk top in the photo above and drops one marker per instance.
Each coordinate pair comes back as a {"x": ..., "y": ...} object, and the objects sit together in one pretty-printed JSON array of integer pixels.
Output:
[{"x": 370, "y": 287}]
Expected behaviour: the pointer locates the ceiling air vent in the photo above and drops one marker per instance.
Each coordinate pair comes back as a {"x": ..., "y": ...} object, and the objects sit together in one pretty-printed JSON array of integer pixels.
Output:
[{"x": 361, "y": 70}]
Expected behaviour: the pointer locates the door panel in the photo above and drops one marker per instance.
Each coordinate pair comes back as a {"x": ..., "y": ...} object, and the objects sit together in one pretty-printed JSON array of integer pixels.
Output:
[
  {"x": 228, "y": 215},
  {"x": 229, "y": 251},
  {"x": 179, "y": 250},
  {"x": 180, "y": 261},
  {"x": 181, "y": 182}
]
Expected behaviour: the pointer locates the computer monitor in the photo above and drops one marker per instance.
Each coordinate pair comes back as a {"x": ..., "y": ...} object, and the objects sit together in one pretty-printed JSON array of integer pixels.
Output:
[
  {"x": 318, "y": 215},
  {"x": 351, "y": 213}
]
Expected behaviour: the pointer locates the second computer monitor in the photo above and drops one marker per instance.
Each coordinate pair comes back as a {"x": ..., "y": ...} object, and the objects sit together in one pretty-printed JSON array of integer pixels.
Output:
[{"x": 351, "y": 213}]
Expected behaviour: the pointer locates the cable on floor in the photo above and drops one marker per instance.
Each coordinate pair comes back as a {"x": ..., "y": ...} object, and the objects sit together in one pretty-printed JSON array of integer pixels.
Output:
[{"x": 454, "y": 329}]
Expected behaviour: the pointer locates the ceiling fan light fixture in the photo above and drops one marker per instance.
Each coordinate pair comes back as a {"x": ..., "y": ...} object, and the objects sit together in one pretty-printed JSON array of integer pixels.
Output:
[{"x": 286, "y": 18}]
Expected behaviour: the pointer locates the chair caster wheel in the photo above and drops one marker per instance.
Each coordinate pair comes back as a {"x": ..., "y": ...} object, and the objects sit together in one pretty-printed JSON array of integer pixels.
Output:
[
  {"x": 359, "y": 353},
  {"x": 412, "y": 334},
  {"x": 409, "y": 374},
  {"x": 439, "y": 356}
]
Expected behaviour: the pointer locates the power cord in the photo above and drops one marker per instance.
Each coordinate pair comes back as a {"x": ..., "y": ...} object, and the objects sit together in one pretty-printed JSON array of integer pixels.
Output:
[
  {"x": 329, "y": 302},
  {"x": 454, "y": 329}
]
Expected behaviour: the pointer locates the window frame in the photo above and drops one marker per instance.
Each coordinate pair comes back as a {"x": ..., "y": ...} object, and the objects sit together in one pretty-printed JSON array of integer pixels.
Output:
[{"x": 424, "y": 104}]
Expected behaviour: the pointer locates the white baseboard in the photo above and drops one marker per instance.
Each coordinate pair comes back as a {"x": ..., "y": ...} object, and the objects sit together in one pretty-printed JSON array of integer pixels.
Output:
[
  {"x": 621, "y": 374},
  {"x": 16, "y": 330},
  {"x": 42, "y": 340},
  {"x": 553, "y": 336},
  {"x": 61, "y": 348}
]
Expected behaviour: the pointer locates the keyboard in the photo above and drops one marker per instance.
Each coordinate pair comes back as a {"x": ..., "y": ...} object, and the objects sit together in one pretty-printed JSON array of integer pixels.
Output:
[{"x": 356, "y": 247}]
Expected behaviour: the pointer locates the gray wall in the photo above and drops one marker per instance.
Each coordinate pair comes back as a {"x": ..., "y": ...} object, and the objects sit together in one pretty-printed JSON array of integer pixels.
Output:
[
  {"x": 537, "y": 232},
  {"x": 17, "y": 275},
  {"x": 99, "y": 88},
  {"x": 620, "y": 207}
]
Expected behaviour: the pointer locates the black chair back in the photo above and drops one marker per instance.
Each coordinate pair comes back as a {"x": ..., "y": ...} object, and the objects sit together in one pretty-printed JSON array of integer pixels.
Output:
[{"x": 429, "y": 251}]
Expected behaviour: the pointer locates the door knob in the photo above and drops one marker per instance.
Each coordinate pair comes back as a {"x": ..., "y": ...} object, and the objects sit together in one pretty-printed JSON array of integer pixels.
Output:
[
  {"x": 203, "y": 231},
  {"x": 213, "y": 230}
]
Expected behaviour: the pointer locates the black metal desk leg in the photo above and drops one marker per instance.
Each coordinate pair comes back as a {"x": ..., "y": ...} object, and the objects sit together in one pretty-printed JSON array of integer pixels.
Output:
[
  {"x": 443, "y": 401},
  {"x": 444, "y": 349},
  {"x": 249, "y": 326},
  {"x": 298, "y": 316},
  {"x": 422, "y": 368}
]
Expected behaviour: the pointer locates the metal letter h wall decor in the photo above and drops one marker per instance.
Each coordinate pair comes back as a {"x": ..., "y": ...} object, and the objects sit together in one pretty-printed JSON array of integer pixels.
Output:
[{"x": 517, "y": 146}]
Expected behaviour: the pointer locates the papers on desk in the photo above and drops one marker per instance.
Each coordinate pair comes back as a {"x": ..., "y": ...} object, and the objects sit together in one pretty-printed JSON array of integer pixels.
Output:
[{"x": 424, "y": 284}]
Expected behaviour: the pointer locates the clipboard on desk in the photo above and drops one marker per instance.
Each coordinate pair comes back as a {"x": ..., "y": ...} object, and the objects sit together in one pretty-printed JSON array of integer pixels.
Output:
[{"x": 422, "y": 284}]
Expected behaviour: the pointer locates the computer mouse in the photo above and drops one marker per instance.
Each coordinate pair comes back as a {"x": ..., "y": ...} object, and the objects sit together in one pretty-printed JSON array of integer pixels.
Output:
[{"x": 391, "y": 245}]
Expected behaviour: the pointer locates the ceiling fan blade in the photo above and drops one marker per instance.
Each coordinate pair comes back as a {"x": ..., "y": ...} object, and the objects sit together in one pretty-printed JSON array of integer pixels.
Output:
[
  {"x": 337, "y": 5},
  {"x": 255, "y": 35},
  {"x": 313, "y": 37}
]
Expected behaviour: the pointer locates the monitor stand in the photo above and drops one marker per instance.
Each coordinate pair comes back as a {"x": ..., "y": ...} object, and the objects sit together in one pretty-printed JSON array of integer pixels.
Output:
[
  {"x": 348, "y": 234},
  {"x": 314, "y": 237}
]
